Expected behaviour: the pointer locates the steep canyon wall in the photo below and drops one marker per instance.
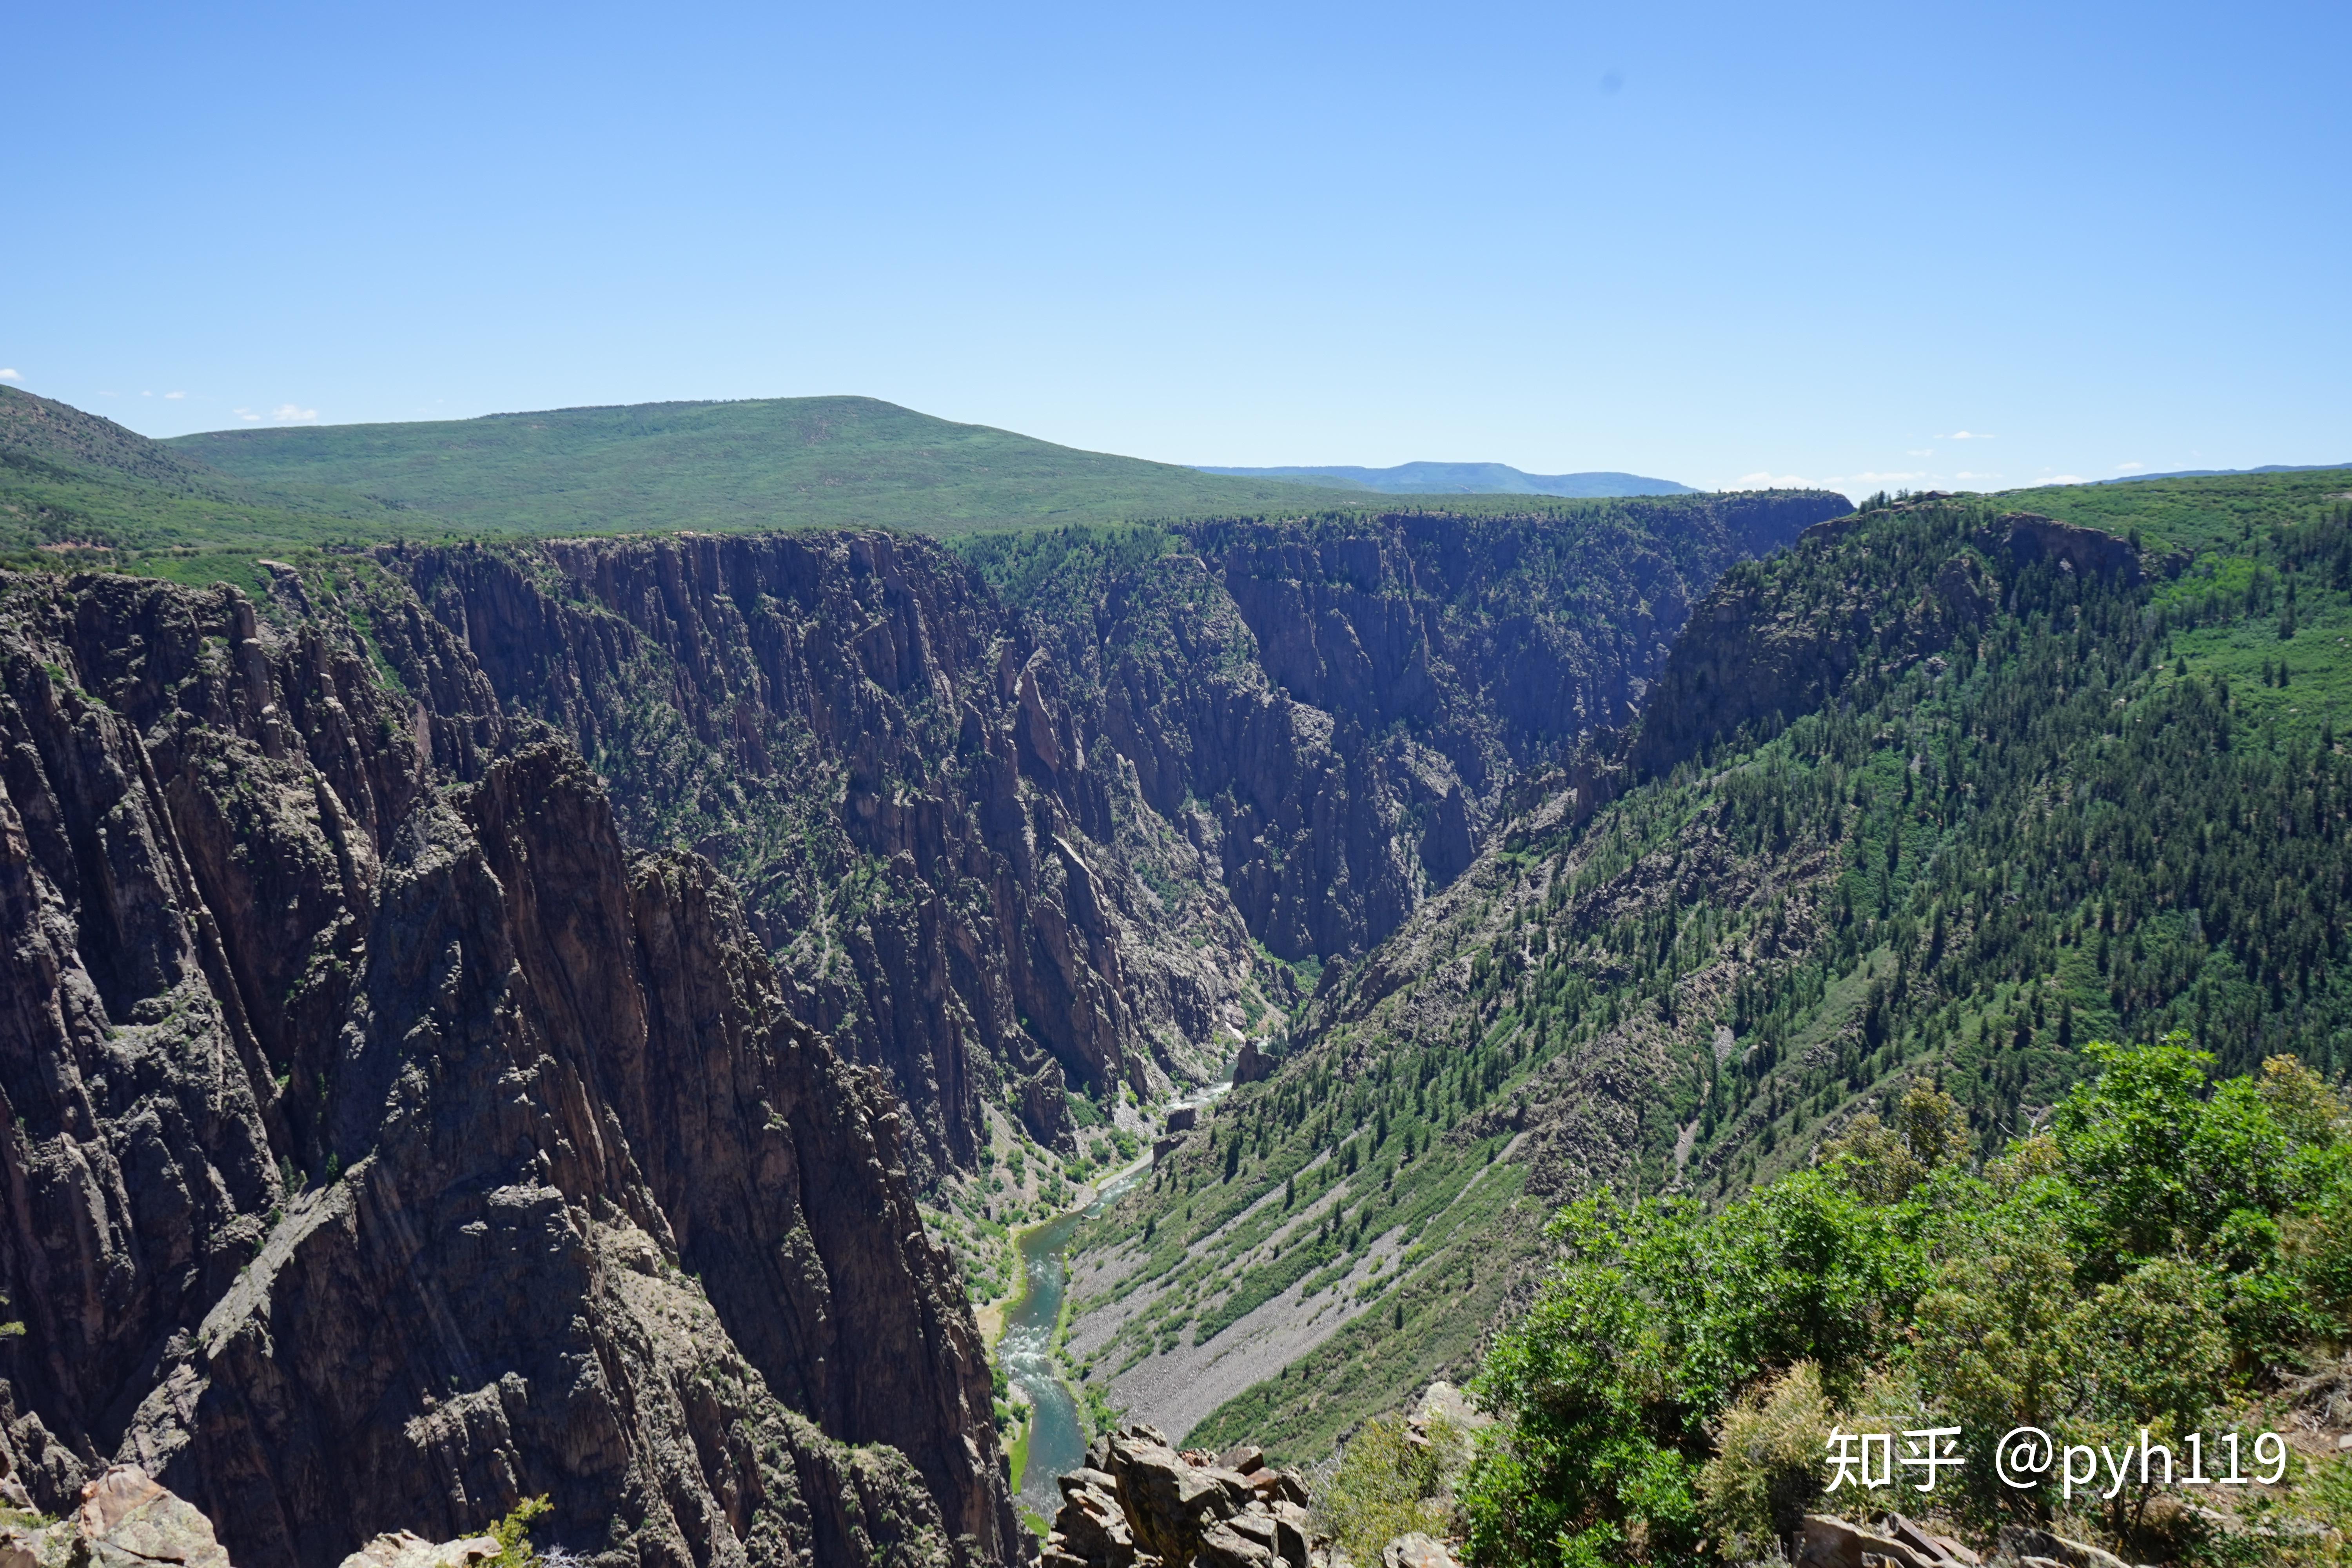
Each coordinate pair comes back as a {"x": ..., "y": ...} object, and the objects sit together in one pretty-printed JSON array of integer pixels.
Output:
[{"x": 384, "y": 1143}]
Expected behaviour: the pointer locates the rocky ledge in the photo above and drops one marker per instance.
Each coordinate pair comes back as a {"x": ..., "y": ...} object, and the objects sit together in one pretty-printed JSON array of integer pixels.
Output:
[
  {"x": 127, "y": 1518},
  {"x": 1141, "y": 1503},
  {"x": 125, "y": 1521}
]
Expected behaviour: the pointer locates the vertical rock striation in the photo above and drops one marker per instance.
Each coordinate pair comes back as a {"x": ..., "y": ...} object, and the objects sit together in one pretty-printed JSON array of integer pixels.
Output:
[
  {"x": 936, "y": 843},
  {"x": 1334, "y": 709},
  {"x": 382, "y": 1144}
]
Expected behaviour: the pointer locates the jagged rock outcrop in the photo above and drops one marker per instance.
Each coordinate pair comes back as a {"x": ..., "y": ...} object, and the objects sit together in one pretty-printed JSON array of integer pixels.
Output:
[
  {"x": 405, "y": 1549},
  {"x": 1141, "y": 1503},
  {"x": 2026, "y": 537},
  {"x": 384, "y": 1143},
  {"x": 1252, "y": 1065},
  {"x": 2029, "y": 1548},
  {"x": 124, "y": 1520},
  {"x": 935, "y": 843}
]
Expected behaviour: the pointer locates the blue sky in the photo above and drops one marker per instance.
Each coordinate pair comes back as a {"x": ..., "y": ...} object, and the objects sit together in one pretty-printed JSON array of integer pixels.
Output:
[{"x": 1710, "y": 242}]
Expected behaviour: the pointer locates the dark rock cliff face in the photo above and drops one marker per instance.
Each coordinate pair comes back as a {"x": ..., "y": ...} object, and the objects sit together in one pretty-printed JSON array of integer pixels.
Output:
[
  {"x": 382, "y": 1144},
  {"x": 1333, "y": 709},
  {"x": 935, "y": 843},
  {"x": 1001, "y": 857}
]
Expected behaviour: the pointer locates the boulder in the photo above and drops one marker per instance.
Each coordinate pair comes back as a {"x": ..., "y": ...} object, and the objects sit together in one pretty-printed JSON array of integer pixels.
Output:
[
  {"x": 1169, "y": 1504},
  {"x": 1416, "y": 1550},
  {"x": 1243, "y": 1459},
  {"x": 1091, "y": 1527},
  {"x": 2019, "y": 1542},
  {"x": 1829, "y": 1542},
  {"x": 1245, "y": 1540},
  {"x": 1893, "y": 1542},
  {"x": 1240, "y": 1488},
  {"x": 1445, "y": 1399},
  {"x": 1294, "y": 1534},
  {"x": 1278, "y": 1485},
  {"x": 1943, "y": 1548},
  {"x": 405, "y": 1549}
]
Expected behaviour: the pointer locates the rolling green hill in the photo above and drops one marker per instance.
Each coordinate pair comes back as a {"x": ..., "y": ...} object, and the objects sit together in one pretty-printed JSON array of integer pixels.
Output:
[
  {"x": 763, "y": 463},
  {"x": 78, "y": 488}
]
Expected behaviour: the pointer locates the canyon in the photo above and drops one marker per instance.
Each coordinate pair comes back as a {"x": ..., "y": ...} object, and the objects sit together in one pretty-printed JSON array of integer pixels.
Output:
[{"x": 485, "y": 1021}]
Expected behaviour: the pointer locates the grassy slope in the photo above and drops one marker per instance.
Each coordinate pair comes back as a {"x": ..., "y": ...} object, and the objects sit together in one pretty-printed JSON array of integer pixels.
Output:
[
  {"x": 79, "y": 490},
  {"x": 1574, "y": 981},
  {"x": 763, "y": 463},
  {"x": 75, "y": 487}
]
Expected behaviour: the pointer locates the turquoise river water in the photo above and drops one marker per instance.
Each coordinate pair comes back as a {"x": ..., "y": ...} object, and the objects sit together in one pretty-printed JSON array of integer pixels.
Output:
[{"x": 1057, "y": 1439}]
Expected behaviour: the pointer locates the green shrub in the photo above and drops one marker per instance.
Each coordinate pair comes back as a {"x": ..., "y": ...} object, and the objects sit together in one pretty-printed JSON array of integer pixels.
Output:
[
  {"x": 513, "y": 1535},
  {"x": 2165, "y": 1242},
  {"x": 1767, "y": 1468},
  {"x": 1390, "y": 1482}
]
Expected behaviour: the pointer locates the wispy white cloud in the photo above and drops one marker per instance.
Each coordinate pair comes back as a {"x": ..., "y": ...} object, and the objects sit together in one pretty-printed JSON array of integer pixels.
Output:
[
  {"x": 1921, "y": 452},
  {"x": 9, "y": 376},
  {"x": 289, "y": 414},
  {"x": 176, "y": 395},
  {"x": 2062, "y": 479},
  {"x": 146, "y": 394},
  {"x": 2129, "y": 467},
  {"x": 247, "y": 415},
  {"x": 1968, "y": 435}
]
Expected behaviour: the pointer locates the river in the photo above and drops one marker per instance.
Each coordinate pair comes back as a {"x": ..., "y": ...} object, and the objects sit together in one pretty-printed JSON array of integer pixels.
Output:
[{"x": 1057, "y": 1437}]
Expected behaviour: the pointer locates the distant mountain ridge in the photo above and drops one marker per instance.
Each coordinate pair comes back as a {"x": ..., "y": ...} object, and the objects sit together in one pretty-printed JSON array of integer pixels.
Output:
[
  {"x": 1465, "y": 479},
  {"x": 2217, "y": 473}
]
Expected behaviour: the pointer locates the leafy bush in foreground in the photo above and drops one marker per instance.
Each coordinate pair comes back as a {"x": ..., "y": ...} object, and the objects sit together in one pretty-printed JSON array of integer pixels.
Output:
[{"x": 2164, "y": 1246}]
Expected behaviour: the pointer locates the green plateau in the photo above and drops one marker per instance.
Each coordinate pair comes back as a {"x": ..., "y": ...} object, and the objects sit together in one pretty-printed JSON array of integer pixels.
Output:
[
  {"x": 832, "y": 462},
  {"x": 77, "y": 488}
]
